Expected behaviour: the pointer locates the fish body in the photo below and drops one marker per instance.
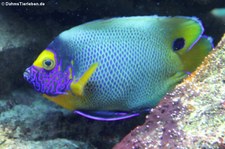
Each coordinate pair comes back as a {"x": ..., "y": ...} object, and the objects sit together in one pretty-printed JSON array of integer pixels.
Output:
[
  {"x": 218, "y": 12},
  {"x": 118, "y": 64}
]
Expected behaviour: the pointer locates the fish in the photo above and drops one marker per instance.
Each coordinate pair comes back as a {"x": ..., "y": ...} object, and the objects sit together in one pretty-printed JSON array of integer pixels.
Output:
[
  {"x": 117, "y": 68},
  {"x": 218, "y": 12}
]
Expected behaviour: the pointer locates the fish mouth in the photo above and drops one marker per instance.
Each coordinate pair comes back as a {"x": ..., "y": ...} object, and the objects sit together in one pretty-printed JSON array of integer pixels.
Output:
[
  {"x": 26, "y": 74},
  {"x": 51, "y": 83}
]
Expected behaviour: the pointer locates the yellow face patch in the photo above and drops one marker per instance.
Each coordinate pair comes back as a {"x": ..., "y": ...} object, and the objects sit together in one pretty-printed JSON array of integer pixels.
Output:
[{"x": 45, "y": 60}]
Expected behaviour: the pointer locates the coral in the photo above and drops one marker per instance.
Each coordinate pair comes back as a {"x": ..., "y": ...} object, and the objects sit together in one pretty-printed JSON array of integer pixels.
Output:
[{"x": 192, "y": 115}]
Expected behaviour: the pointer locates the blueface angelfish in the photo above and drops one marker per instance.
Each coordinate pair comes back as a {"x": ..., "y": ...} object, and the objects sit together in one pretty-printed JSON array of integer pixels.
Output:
[{"x": 115, "y": 68}]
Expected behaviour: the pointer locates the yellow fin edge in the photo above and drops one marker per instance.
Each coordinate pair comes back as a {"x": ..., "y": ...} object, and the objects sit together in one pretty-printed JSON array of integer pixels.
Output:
[{"x": 78, "y": 87}]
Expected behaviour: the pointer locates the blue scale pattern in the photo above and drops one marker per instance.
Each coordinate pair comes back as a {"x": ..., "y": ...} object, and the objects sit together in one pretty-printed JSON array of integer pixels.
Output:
[{"x": 132, "y": 66}]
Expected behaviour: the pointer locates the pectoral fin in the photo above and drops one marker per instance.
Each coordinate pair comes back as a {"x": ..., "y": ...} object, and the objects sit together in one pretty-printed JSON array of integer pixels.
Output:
[{"x": 78, "y": 87}]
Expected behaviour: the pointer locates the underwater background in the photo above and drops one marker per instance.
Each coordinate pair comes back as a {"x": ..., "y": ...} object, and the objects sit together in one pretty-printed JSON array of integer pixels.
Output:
[{"x": 27, "y": 120}]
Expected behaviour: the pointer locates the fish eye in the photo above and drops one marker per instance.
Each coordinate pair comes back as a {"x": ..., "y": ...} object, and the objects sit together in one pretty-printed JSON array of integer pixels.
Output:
[
  {"x": 48, "y": 64},
  {"x": 178, "y": 44}
]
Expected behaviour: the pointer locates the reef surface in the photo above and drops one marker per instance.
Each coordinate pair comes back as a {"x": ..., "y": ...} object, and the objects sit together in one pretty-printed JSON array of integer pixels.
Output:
[{"x": 27, "y": 120}]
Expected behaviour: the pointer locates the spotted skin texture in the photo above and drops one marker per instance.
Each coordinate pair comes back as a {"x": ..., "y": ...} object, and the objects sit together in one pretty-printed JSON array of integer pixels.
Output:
[
  {"x": 135, "y": 69},
  {"x": 137, "y": 63}
]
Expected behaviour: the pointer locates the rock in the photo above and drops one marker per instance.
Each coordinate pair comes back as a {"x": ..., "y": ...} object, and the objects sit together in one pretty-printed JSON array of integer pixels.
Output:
[
  {"x": 49, "y": 144},
  {"x": 192, "y": 116},
  {"x": 26, "y": 119}
]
